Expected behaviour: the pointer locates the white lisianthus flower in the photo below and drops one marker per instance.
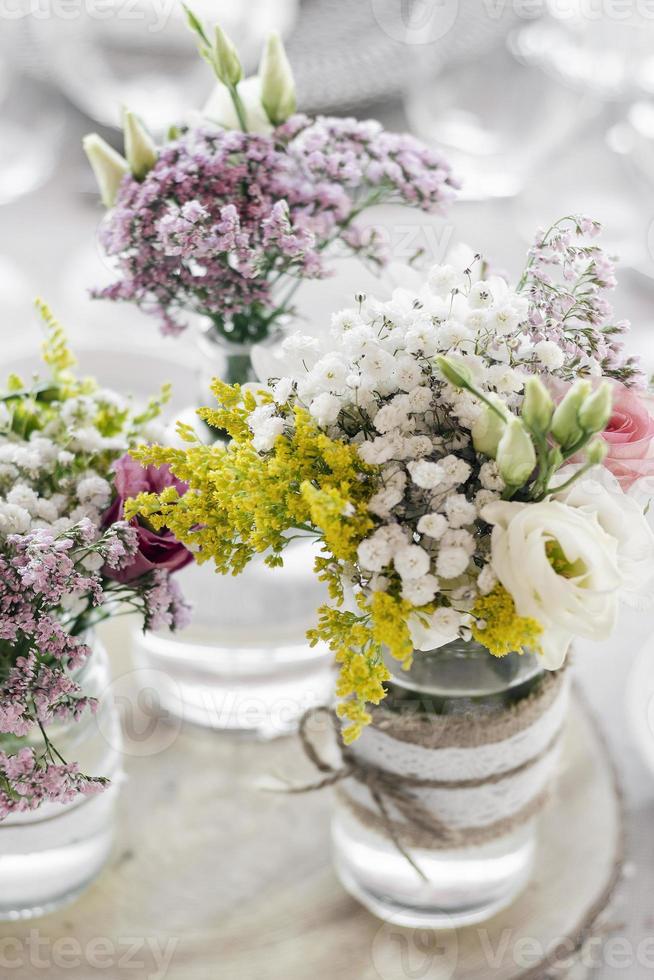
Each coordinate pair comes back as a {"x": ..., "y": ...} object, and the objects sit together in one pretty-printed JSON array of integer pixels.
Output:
[
  {"x": 220, "y": 108},
  {"x": 623, "y": 518},
  {"x": 580, "y": 598},
  {"x": 431, "y": 632}
]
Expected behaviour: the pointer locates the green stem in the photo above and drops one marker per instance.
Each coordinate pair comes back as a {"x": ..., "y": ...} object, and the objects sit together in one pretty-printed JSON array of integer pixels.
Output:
[{"x": 239, "y": 107}]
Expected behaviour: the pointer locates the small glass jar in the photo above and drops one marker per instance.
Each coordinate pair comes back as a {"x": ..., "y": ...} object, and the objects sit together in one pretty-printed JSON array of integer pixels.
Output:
[
  {"x": 48, "y": 856},
  {"x": 244, "y": 664},
  {"x": 444, "y": 886}
]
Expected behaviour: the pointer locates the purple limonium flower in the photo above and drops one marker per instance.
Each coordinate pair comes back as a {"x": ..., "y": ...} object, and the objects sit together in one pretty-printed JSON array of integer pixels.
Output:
[
  {"x": 224, "y": 218},
  {"x": 156, "y": 550}
]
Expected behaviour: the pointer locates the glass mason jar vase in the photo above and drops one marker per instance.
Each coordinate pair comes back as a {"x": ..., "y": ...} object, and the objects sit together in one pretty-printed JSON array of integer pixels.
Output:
[
  {"x": 244, "y": 664},
  {"x": 473, "y": 742},
  {"x": 48, "y": 856}
]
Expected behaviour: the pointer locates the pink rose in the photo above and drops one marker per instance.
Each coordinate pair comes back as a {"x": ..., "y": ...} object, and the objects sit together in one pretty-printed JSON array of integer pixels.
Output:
[
  {"x": 630, "y": 436},
  {"x": 156, "y": 549}
]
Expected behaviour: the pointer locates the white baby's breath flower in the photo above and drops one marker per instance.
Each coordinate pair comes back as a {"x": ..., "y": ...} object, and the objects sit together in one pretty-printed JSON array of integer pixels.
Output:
[
  {"x": 452, "y": 562},
  {"x": 282, "y": 390},
  {"x": 325, "y": 408},
  {"x": 483, "y": 497},
  {"x": 419, "y": 399},
  {"x": 93, "y": 562},
  {"x": 549, "y": 354},
  {"x": 420, "y": 591},
  {"x": 14, "y": 519},
  {"x": 453, "y": 334},
  {"x": 459, "y": 510},
  {"x": 375, "y": 553},
  {"x": 390, "y": 416},
  {"x": 23, "y": 496},
  {"x": 444, "y": 278},
  {"x": 456, "y": 470},
  {"x": 480, "y": 295},
  {"x": 417, "y": 446},
  {"x": 459, "y": 538},
  {"x": 94, "y": 490},
  {"x": 489, "y": 476},
  {"x": 411, "y": 562},
  {"x": 433, "y": 525},
  {"x": 408, "y": 373},
  {"x": 426, "y": 474}
]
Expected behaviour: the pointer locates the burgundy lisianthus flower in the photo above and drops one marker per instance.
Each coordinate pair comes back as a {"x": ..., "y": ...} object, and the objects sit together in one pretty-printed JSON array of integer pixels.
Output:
[{"x": 157, "y": 549}]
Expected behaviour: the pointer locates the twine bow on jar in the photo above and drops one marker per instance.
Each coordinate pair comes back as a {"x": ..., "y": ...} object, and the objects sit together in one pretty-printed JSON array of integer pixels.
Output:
[{"x": 527, "y": 735}]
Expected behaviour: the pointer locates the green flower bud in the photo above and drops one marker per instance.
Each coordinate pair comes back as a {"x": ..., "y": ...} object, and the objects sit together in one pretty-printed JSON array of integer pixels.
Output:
[
  {"x": 108, "y": 166},
  {"x": 516, "y": 456},
  {"x": 140, "y": 148},
  {"x": 538, "y": 407},
  {"x": 596, "y": 452},
  {"x": 488, "y": 429},
  {"x": 565, "y": 424},
  {"x": 595, "y": 412},
  {"x": 226, "y": 61},
  {"x": 277, "y": 83},
  {"x": 457, "y": 374}
]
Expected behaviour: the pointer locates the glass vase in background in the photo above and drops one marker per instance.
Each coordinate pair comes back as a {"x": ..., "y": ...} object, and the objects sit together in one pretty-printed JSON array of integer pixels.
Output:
[
  {"x": 244, "y": 664},
  {"x": 48, "y": 856},
  {"x": 462, "y": 884}
]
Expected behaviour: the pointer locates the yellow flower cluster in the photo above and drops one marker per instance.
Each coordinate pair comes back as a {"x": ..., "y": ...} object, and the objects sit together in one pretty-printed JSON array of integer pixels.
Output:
[
  {"x": 358, "y": 642},
  {"x": 241, "y": 502},
  {"x": 499, "y": 627}
]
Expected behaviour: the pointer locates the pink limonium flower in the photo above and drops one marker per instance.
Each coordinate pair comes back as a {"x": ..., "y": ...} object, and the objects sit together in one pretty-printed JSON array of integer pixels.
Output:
[
  {"x": 224, "y": 218},
  {"x": 156, "y": 550}
]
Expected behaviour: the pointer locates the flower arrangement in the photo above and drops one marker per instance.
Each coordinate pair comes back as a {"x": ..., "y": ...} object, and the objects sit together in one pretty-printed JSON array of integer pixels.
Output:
[
  {"x": 239, "y": 207},
  {"x": 67, "y": 561},
  {"x": 432, "y": 452}
]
